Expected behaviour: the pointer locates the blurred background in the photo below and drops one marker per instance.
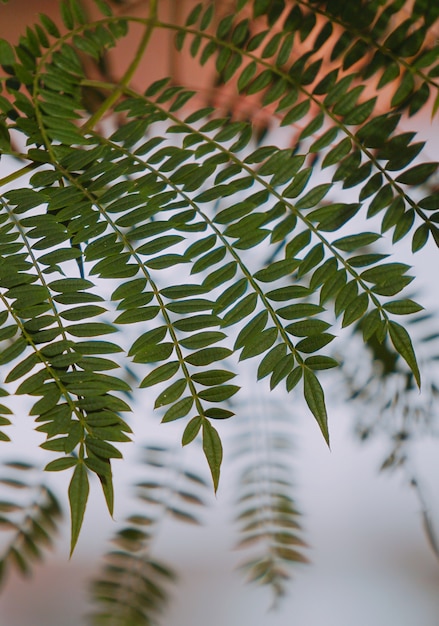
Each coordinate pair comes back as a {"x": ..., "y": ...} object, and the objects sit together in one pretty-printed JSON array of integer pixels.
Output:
[{"x": 370, "y": 558}]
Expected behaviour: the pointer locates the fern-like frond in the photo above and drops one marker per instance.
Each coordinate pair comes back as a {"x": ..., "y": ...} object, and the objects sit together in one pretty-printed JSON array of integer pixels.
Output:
[
  {"x": 387, "y": 405},
  {"x": 267, "y": 515},
  {"x": 29, "y": 518},
  {"x": 161, "y": 220}
]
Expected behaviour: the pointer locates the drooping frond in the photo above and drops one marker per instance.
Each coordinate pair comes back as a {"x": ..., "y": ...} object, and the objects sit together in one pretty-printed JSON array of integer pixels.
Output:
[
  {"x": 161, "y": 221},
  {"x": 387, "y": 404},
  {"x": 267, "y": 515}
]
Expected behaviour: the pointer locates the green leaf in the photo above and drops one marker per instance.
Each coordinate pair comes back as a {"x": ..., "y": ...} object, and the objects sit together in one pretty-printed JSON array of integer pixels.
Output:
[
  {"x": 213, "y": 450},
  {"x": 355, "y": 309},
  {"x": 360, "y": 113},
  {"x": 96, "y": 347},
  {"x": 308, "y": 327},
  {"x": 247, "y": 75},
  {"x": 197, "y": 322},
  {"x": 314, "y": 343},
  {"x": 371, "y": 187},
  {"x": 420, "y": 237},
  {"x": 336, "y": 154},
  {"x": 194, "y": 15},
  {"x": 217, "y": 413},
  {"x": 243, "y": 309},
  {"x": 192, "y": 429},
  {"x": 320, "y": 362},
  {"x": 313, "y": 258},
  {"x": 22, "y": 368},
  {"x": 288, "y": 293},
  {"x": 201, "y": 340},
  {"x": 315, "y": 400},
  {"x": 260, "y": 82},
  {"x": 61, "y": 464},
  {"x": 221, "y": 275},
  {"x": 325, "y": 140},
  {"x": 159, "y": 243},
  {"x": 102, "y": 449},
  {"x": 90, "y": 329},
  {"x": 102, "y": 468},
  {"x": 296, "y": 113},
  {"x": 181, "y": 291},
  {"x": 5, "y": 139},
  {"x": 295, "y": 311},
  {"x": 385, "y": 273},
  {"x": 78, "y": 496},
  {"x": 281, "y": 370},
  {"x": 12, "y": 351},
  {"x": 178, "y": 410},
  {"x": 49, "y": 25},
  {"x": 67, "y": 16},
  {"x": 314, "y": 196},
  {"x": 435, "y": 105},
  {"x": 251, "y": 330},
  {"x": 417, "y": 174},
  {"x": 345, "y": 296},
  {"x": 313, "y": 126},
  {"x": 207, "y": 17},
  {"x": 166, "y": 261},
  {"x": 212, "y": 377},
  {"x": 353, "y": 242},
  {"x": 141, "y": 314},
  {"x": 104, "y": 8},
  {"x": 293, "y": 378},
  {"x": 7, "y": 56},
  {"x": 270, "y": 360},
  {"x": 259, "y": 343},
  {"x": 405, "y": 88},
  {"x": 363, "y": 260},
  {"x": 403, "y": 345},
  {"x": 276, "y": 270},
  {"x": 297, "y": 243},
  {"x": 207, "y": 356},
  {"x": 171, "y": 393},
  {"x": 403, "y": 307},
  {"x": 66, "y": 285},
  {"x": 194, "y": 305},
  {"x": 218, "y": 393},
  {"x": 299, "y": 183},
  {"x": 154, "y": 353}
]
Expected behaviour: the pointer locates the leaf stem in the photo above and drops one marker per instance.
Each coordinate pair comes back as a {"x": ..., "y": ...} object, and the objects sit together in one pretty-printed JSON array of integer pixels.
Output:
[
  {"x": 18, "y": 173},
  {"x": 126, "y": 78}
]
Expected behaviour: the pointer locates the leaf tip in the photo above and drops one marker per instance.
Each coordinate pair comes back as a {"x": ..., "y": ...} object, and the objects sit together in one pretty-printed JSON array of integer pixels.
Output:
[{"x": 213, "y": 450}]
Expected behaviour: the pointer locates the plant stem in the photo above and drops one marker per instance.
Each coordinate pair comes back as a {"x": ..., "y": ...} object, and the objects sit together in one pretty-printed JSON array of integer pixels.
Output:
[
  {"x": 126, "y": 78},
  {"x": 18, "y": 173}
]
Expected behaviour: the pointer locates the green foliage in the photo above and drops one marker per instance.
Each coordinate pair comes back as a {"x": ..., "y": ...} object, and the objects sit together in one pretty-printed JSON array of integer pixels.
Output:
[{"x": 174, "y": 242}]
